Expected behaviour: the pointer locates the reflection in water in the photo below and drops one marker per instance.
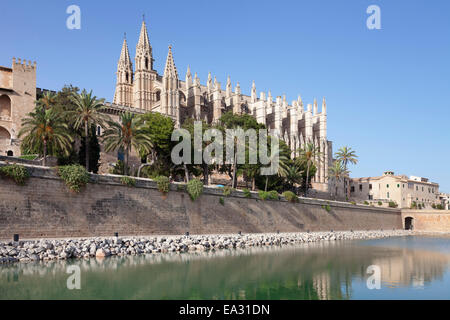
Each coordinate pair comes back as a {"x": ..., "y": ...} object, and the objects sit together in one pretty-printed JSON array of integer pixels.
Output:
[{"x": 314, "y": 271}]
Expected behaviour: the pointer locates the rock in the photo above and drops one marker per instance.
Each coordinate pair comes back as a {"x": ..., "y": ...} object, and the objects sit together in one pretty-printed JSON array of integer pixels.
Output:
[{"x": 100, "y": 253}]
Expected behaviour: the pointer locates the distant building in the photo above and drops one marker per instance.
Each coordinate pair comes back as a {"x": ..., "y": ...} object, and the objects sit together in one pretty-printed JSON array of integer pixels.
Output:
[
  {"x": 403, "y": 190},
  {"x": 445, "y": 200},
  {"x": 17, "y": 99}
]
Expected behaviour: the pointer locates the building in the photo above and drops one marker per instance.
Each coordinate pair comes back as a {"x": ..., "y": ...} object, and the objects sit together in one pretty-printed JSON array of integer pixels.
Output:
[
  {"x": 445, "y": 200},
  {"x": 17, "y": 99},
  {"x": 142, "y": 88},
  {"x": 404, "y": 191}
]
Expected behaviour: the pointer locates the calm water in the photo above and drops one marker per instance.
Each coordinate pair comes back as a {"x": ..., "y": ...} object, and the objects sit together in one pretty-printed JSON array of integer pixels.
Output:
[{"x": 411, "y": 268}]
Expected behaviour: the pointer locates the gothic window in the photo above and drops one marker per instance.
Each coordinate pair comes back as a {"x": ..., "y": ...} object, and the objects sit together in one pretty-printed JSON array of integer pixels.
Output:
[
  {"x": 126, "y": 76},
  {"x": 158, "y": 95},
  {"x": 360, "y": 187},
  {"x": 146, "y": 63},
  {"x": 5, "y": 106}
]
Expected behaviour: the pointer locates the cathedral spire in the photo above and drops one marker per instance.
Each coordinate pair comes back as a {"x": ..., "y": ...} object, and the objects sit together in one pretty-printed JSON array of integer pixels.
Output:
[
  {"x": 170, "y": 70},
  {"x": 125, "y": 60},
  {"x": 144, "y": 57}
]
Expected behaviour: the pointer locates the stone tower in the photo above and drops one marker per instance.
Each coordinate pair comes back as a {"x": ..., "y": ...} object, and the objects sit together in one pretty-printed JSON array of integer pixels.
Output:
[
  {"x": 124, "y": 88},
  {"x": 144, "y": 76},
  {"x": 170, "y": 96}
]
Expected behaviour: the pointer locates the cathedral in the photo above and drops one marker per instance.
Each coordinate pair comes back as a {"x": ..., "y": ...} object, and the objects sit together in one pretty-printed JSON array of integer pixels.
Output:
[{"x": 142, "y": 89}]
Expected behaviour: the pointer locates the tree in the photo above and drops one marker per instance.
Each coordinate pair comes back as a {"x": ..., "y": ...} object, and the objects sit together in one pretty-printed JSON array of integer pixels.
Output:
[
  {"x": 292, "y": 172},
  {"x": 126, "y": 135},
  {"x": 45, "y": 131},
  {"x": 337, "y": 172},
  {"x": 87, "y": 113},
  {"x": 235, "y": 121},
  {"x": 48, "y": 100},
  {"x": 94, "y": 151},
  {"x": 308, "y": 156},
  {"x": 346, "y": 155}
]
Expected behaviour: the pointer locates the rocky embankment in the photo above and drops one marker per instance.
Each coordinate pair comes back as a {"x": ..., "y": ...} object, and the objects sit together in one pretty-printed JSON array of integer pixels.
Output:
[{"x": 52, "y": 249}]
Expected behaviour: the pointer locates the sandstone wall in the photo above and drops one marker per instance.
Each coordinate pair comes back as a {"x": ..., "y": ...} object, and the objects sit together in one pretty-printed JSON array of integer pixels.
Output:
[
  {"x": 428, "y": 220},
  {"x": 44, "y": 207}
]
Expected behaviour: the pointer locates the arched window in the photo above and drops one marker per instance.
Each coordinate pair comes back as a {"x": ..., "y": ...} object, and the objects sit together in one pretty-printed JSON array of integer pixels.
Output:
[
  {"x": 5, "y": 106},
  {"x": 5, "y": 139},
  {"x": 158, "y": 95},
  {"x": 9, "y": 153},
  {"x": 146, "y": 63}
]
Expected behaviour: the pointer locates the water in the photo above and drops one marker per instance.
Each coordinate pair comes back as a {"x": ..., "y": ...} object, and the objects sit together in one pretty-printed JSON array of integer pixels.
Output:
[{"x": 411, "y": 268}]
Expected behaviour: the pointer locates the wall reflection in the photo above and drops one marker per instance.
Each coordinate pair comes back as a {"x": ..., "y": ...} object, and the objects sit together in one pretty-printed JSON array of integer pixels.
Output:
[{"x": 315, "y": 271}]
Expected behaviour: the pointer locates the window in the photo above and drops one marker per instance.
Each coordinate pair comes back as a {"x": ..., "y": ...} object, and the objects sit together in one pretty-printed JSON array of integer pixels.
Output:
[
  {"x": 387, "y": 186},
  {"x": 403, "y": 186},
  {"x": 422, "y": 189},
  {"x": 360, "y": 187},
  {"x": 388, "y": 195},
  {"x": 352, "y": 189},
  {"x": 370, "y": 186},
  {"x": 417, "y": 188},
  {"x": 370, "y": 197}
]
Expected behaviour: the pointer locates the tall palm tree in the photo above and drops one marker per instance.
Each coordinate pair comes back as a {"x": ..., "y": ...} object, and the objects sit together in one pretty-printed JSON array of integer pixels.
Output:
[
  {"x": 346, "y": 155},
  {"x": 293, "y": 173},
  {"x": 309, "y": 155},
  {"x": 337, "y": 172},
  {"x": 126, "y": 135},
  {"x": 87, "y": 113},
  {"x": 45, "y": 129},
  {"x": 282, "y": 156},
  {"x": 48, "y": 100}
]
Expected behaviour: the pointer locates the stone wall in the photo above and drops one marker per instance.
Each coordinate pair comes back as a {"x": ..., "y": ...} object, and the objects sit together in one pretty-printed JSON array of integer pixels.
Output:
[
  {"x": 428, "y": 220},
  {"x": 44, "y": 207}
]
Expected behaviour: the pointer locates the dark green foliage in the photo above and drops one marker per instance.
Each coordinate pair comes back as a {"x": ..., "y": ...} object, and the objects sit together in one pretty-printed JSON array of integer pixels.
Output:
[
  {"x": 221, "y": 201},
  {"x": 16, "y": 172},
  {"x": 227, "y": 191},
  {"x": 94, "y": 151},
  {"x": 163, "y": 184},
  {"x": 392, "y": 204},
  {"x": 263, "y": 195},
  {"x": 75, "y": 176},
  {"x": 353, "y": 203},
  {"x": 273, "y": 195},
  {"x": 327, "y": 207},
  {"x": 247, "y": 193},
  {"x": 290, "y": 196},
  {"x": 194, "y": 188},
  {"x": 380, "y": 203},
  {"x": 128, "y": 181},
  {"x": 366, "y": 203}
]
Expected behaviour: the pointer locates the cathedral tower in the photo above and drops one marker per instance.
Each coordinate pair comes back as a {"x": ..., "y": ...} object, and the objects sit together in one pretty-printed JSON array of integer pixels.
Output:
[
  {"x": 170, "y": 97},
  {"x": 124, "y": 87},
  {"x": 145, "y": 76}
]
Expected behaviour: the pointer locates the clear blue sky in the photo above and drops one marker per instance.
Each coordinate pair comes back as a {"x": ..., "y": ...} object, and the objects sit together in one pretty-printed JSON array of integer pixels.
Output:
[{"x": 388, "y": 91}]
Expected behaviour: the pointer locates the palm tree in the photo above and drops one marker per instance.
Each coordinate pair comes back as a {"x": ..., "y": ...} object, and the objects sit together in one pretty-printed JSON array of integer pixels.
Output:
[
  {"x": 346, "y": 155},
  {"x": 337, "y": 172},
  {"x": 87, "y": 113},
  {"x": 126, "y": 135},
  {"x": 45, "y": 130},
  {"x": 293, "y": 173},
  {"x": 309, "y": 155},
  {"x": 48, "y": 100},
  {"x": 281, "y": 155}
]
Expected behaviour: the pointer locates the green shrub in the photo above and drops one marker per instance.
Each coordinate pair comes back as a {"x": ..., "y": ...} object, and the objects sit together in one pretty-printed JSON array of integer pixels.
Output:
[
  {"x": 419, "y": 206},
  {"x": 16, "y": 172},
  {"x": 290, "y": 196},
  {"x": 75, "y": 176},
  {"x": 414, "y": 205},
  {"x": 392, "y": 204},
  {"x": 128, "y": 181},
  {"x": 366, "y": 203},
  {"x": 227, "y": 191},
  {"x": 273, "y": 195},
  {"x": 263, "y": 195},
  {"x": 380, "y": 203},
  {"x": 327, "y": 207},
  {"x": 353, "y": 203},
  {"x": 163, "y": 184},
  {"x": 181, "y": 187},
  {"x": 433, "y": 206},
  {"x": 221, "y": 201},
  {"x": 28, "y": 157},
  {"x": 440, "y": 207},
  {"x": 195, "y": 188},
  {"x": 247, "y": 193}
]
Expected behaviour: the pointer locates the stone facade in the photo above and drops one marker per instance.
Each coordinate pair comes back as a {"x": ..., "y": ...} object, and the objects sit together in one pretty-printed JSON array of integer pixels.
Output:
[
  {"x": 401, "y": 189},
  {"x": 144, "y": 89},
  {"x": 107, "y": 206},
  {"x": 17, "y": 99}
]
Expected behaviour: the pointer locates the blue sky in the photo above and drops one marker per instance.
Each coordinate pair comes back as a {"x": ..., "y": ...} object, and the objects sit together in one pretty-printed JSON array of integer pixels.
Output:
[{"x": 387, "y": 90}]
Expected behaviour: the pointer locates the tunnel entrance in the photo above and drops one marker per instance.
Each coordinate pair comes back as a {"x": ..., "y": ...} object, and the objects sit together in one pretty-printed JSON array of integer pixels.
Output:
[{"x": 409, "y": 223}]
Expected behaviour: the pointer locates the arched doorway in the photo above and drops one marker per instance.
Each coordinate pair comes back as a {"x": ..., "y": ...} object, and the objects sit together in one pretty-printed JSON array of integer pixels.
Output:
[
  {"x": 9, "y": 153},
  {"x": 409, "y": 223},
  {"x": 5, "y": 139},
  {"x": 5, "y": 106}
]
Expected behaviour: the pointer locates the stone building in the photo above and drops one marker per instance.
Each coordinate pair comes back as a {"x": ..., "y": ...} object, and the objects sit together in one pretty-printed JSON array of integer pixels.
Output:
[
  {"x": 400, "y": 189},
  {"x": 17, "y": 99},
  {"x": 143, "y": 88}
]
